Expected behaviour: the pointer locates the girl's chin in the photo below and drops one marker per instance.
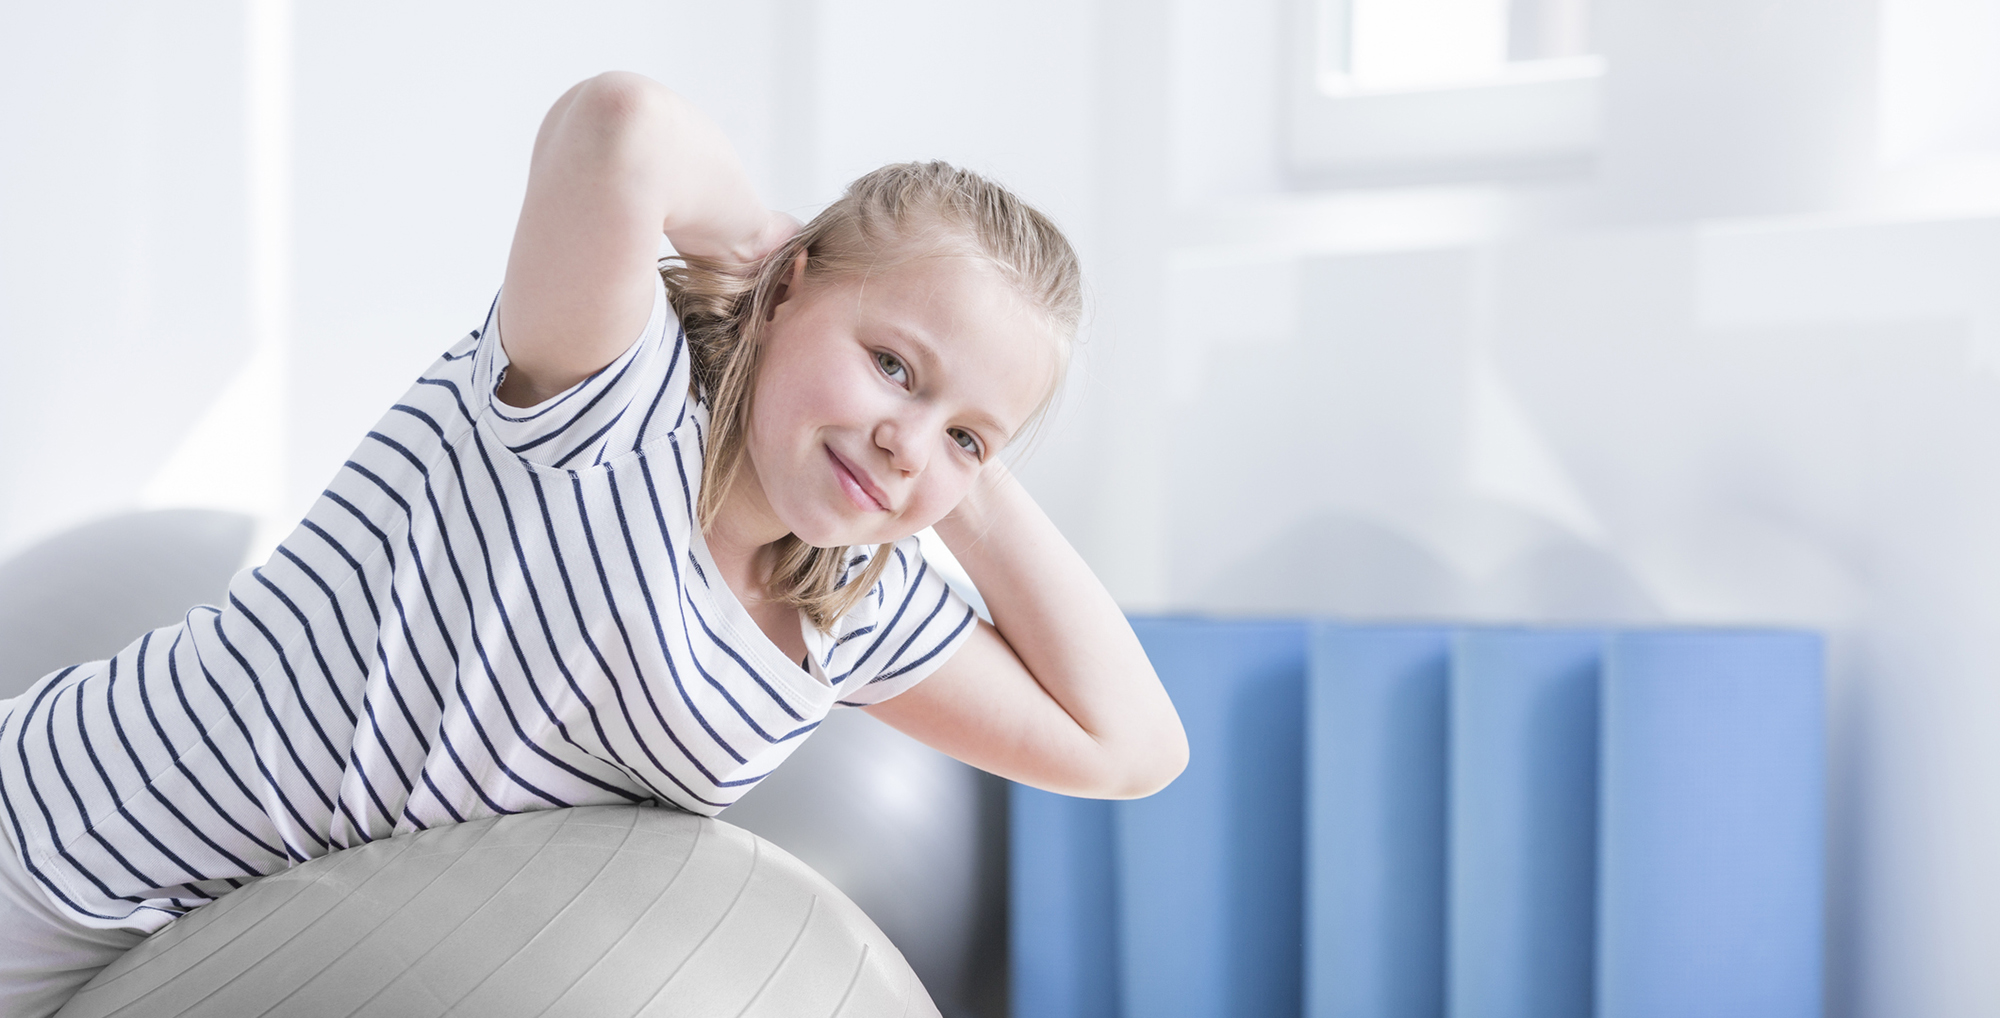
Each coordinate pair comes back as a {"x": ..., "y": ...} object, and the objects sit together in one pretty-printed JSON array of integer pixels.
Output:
[
  {"x": 849, "y": 537},
  {"x": 820, "y": 528},
  {"x": 859, "y": 542},
  {"x": 820, "y": 535}
]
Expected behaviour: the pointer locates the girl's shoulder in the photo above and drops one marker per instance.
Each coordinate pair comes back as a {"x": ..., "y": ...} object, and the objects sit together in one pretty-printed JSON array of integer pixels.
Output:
[
  {"x": 899, "y": 632},
  {"x": 641, "y": 395}
]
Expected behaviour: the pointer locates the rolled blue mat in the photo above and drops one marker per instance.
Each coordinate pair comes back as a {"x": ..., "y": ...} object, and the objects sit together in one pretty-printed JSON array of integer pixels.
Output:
[
  {"x": 1523, "y": 832},
  {"x": 1210, "y": 878},
  {"x": 1375, "y": 807},
  {"x": 1063, "y": 906},
  {"x": 1711, "y": 863}
]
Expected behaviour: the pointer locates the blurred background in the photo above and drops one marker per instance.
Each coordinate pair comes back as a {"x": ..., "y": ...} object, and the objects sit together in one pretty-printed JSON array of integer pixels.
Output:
[{"x": 1579, "y": 310}]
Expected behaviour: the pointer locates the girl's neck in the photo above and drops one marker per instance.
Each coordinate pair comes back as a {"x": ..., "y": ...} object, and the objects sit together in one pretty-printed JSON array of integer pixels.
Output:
[
  {"x": 741, "y": 542},
  {"x": 741, "y": 539}
]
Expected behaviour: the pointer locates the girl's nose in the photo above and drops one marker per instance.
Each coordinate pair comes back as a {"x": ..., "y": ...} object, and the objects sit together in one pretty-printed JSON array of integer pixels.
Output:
[{"x": 903, "y": 440}]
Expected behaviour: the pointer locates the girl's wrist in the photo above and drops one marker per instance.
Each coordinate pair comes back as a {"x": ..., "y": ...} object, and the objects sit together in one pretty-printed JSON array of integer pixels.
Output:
[
  {"x": 981, "y": 507},
  {"x": 743, "y": 242},
  {"x": 712, "y": 210}
]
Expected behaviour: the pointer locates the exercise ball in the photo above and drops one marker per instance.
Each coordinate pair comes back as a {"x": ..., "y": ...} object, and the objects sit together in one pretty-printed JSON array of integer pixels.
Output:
[
  {"x": 914, "y": 837},
  {"x": 598, "y": 911}
]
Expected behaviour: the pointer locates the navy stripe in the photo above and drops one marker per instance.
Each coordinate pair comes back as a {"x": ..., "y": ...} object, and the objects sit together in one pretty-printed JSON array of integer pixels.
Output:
[
  {"x": 498, "y": 606},
  {"x": 48, "y": 815},
  {"x": 263, "y": 769},
  {"x": 653, "y": 614},
  {"x": 132, "y": 754},
  {"x": 611, "y": 678},
  {"x": 888, "y": 630},
  {"x": 594, "y": 436},
  {"x": 457, "y": 398},
  {"x": 444, "y": 634},
  {"x": 604, "y": 668},
  {"x": 478, "y": 645},
  {"x": 660, "y": 391},
  {"x": 631, "y": 655},
  {"x": 208, "y": 743},
  {"x": 583, "y": 412},
  {"x": 21, "y": 834},
  {"x": 180, "y": 765},
  {"x": 499, "y": 603},
  {"x": 963, "y": 622},
  {"x": 748, "y": 669}
]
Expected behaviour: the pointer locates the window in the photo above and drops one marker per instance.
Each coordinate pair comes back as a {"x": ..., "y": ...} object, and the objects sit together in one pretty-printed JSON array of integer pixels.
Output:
[{"x": 1395, "y": 89}]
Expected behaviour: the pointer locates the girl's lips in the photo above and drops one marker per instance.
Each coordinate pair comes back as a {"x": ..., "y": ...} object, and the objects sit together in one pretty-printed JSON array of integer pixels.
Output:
[{"x": 851, "y": 483}]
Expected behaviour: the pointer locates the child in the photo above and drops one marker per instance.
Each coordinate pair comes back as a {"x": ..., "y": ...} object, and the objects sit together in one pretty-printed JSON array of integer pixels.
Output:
[{"x": 570, "y": 568}]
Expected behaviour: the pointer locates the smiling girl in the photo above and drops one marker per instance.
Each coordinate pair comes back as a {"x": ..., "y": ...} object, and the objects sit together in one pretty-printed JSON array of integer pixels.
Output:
[{"x": 629, "y": 541}]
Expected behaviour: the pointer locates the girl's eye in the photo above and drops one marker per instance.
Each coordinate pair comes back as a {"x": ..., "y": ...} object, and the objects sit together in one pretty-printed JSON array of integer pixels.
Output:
[
  {"x": 966, "y": 440},
  {"x": 892, "y": 367}
]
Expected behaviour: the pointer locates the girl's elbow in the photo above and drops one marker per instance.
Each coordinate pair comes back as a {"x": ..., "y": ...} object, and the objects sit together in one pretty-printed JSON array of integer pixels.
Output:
[
  {"x": 619, "y": 99},
  {"x": 1173, "y": 760},
  {"x": 1154, "y": 770},
  {"x": 611, "y": 106}
]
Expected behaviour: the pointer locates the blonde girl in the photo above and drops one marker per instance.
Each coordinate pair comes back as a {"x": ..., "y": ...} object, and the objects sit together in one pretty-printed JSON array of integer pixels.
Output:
[{"x": 629, "y": 541}]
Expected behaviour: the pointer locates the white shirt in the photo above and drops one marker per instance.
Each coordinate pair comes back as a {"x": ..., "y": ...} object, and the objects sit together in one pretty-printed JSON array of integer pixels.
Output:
[{"x": 489, "y": 610}]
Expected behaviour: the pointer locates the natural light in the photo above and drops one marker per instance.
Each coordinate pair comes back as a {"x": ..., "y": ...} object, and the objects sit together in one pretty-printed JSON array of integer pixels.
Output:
[
  {"x": 1410, "y": 43},
  {"x": 1401, "y": 44}
]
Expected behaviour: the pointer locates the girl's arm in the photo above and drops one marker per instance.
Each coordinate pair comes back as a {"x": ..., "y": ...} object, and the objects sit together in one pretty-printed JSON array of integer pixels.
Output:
[
  {"x": 619, "y": 160},
  {"x": 1057, "y": 692}
]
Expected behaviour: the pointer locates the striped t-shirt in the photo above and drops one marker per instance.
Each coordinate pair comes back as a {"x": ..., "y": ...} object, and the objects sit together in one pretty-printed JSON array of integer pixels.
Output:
[{"x": 488, "y": 610}]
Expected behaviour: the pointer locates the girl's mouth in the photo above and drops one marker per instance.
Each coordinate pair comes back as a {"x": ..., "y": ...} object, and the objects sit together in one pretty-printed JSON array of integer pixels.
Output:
[{"x": 850, "y": 483}]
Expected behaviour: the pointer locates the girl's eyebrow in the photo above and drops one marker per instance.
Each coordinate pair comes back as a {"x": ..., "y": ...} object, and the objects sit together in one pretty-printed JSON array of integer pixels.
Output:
[
  {"x": 922, "y": 352},
  {"x": 927, "y": 355},
  {"x": 987, "y": 422}
]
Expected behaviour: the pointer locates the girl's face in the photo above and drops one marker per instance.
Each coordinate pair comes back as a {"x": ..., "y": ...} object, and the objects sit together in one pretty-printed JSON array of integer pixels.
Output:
[{"x": 880, "y": 398}]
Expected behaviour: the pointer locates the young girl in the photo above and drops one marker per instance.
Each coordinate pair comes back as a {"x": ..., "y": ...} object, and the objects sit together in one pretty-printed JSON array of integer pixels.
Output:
[{"x": 573, "y": 567}]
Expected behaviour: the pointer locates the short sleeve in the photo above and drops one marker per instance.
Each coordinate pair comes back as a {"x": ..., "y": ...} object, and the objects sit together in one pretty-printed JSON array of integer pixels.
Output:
[
  {"x": 909, "y": 623},
  {"x": 640, "y": 395}
]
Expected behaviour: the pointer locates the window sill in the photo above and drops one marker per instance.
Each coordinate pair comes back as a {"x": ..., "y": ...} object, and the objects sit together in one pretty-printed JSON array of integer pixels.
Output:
[{"x": 1531, "y": 118}]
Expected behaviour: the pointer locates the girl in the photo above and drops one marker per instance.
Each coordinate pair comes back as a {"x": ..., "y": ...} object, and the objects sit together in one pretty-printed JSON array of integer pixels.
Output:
[{"x": 573, "y": 568}]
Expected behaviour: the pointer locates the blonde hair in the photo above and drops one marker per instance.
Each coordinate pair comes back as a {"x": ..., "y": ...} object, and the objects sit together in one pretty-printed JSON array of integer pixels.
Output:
[{"x": 889, "y": 214}]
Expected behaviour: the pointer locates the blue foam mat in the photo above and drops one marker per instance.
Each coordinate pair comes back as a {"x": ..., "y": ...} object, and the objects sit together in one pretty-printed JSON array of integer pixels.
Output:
[
  {"x": 1063, "y": 906},
  {"x": 1210, "y": 870},
  {"x": 1376, "y": 822},
  {"x": 1523, "y": 832},
  {"x": 1711, "y": 857},
  {"x": 1403, "y": 821}
]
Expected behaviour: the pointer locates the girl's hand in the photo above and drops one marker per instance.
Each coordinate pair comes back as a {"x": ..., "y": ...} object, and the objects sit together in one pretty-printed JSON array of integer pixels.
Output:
[
  {"x": 777, "y": 228},
  {"x": 619, "y": 160}
]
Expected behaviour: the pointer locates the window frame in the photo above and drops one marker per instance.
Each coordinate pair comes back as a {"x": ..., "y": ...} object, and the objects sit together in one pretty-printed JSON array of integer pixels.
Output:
[{"x": 1526, "y": 117}]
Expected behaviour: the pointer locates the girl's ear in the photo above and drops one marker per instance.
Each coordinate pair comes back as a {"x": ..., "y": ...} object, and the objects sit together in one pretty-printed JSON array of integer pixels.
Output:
[{"x": 786, "y": 287}]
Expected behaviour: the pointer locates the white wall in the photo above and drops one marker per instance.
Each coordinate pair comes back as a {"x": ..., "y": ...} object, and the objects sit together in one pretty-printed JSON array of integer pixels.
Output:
[
  {"x": 1741, "y": 369},
  {"x": 122, "y": 245}
]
